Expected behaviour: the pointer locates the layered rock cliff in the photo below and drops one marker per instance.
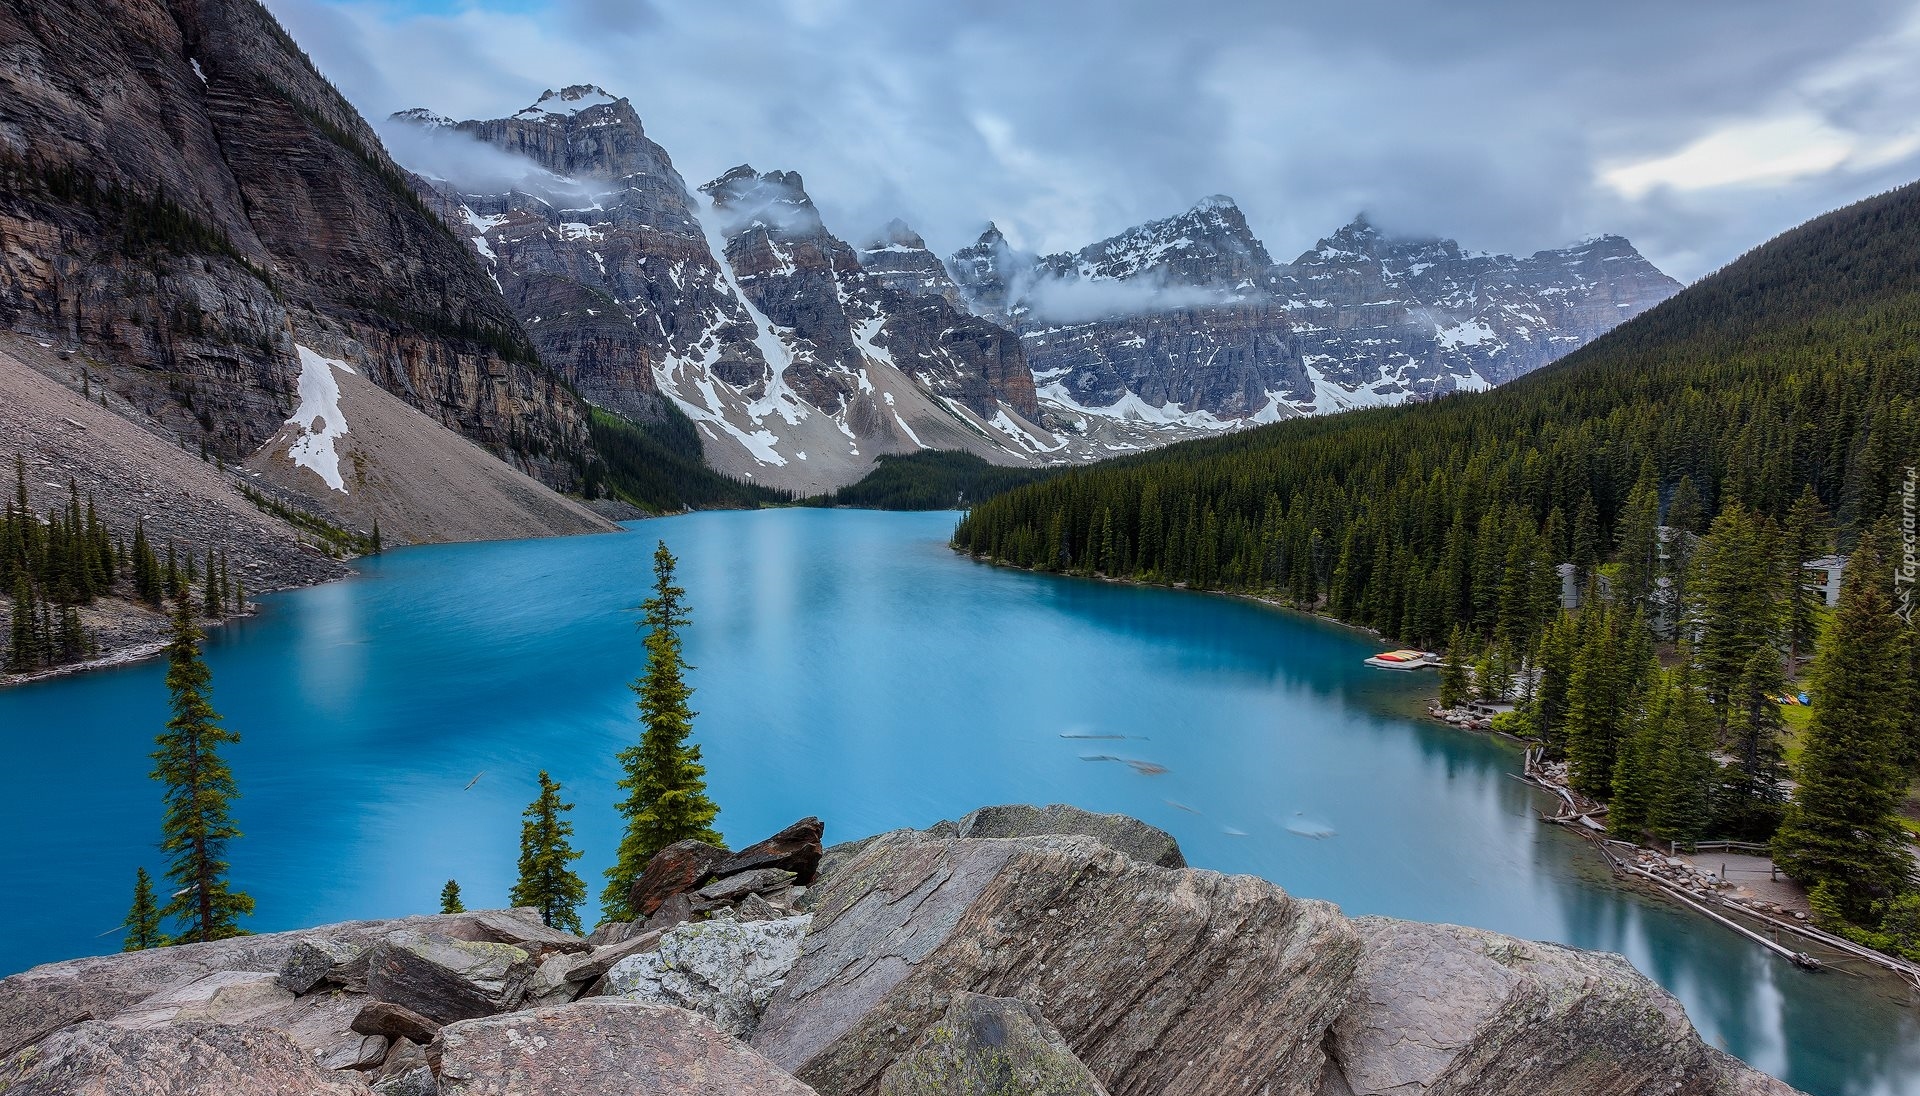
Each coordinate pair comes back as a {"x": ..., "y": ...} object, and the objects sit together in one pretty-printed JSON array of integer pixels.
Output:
[
  {"x": 797, "y": 364},
  {"x": 910, "y": 964},
  {"x": 186, "y": 201}
]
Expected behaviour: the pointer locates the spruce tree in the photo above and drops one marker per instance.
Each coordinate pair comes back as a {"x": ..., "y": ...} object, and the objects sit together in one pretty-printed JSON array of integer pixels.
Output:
[
  {"x": 1806, "y": 539},
  {"x": 450, "y": 898},
  {"x": 1455, "y": 682},
  {"x": 143, "y": 919},
  {"x": 666, "y": 795},
  {"x": 546, "y": 882},
  {"x": 1637, "y": 538},
  {"x": 1754, "y": 724},
  {"x": 1684, "y": 769},
  {"x": 1841, "y": 833},
  {"x": 1733, "y": 599},
  {"x": 1634, "y": 788},
  {"x": 23, "y": 644},
  {"x": 198, "y": 789},
  {"x": 1555, "y": 663}
]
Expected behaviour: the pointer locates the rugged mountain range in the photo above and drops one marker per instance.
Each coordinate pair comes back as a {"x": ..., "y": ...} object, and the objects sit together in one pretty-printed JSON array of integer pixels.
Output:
[
  {"x": 802, "y": 358},
  {"x": 797, "y": 366},
  {"x": 192, "y": 213},
  {"x": 1188, "y": 321}
]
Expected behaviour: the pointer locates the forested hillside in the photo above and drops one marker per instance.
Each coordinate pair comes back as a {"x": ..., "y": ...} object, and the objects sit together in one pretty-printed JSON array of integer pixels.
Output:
[
  {"x": 1797, "y": 365},
  {"x": 1685, "y": 465}
]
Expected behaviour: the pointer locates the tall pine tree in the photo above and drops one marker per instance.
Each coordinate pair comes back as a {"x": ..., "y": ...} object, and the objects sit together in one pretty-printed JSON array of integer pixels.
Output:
[
  {"x": 546, "y": 882},
  {"x": 1842, "y": 832},
  {"x": 199, "y": 787},
  {"x": 666, "y": 792}
]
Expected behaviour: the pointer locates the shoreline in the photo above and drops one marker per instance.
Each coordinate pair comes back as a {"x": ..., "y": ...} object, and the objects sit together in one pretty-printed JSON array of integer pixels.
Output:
[{"x": 1623, "y": 875}]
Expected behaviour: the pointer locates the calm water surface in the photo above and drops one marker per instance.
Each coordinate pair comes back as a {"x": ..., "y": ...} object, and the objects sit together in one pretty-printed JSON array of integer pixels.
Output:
[{"x": 850, "y": 666}]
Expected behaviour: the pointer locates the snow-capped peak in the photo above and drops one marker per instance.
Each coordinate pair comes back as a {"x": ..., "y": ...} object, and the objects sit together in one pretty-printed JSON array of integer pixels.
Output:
[
  {"x": 567, "y": 101},
  {"x": 421, "y": 116}
]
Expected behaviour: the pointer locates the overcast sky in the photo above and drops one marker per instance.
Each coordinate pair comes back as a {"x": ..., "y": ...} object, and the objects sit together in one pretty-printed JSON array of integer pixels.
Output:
[{"x": 1698, "y": 128}]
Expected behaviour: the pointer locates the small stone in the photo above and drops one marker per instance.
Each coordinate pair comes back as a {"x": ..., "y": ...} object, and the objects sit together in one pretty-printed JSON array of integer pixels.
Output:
[
  {"x": 721, "y": 969},
  {"x": 676, "y": 910},
  {"x": 601, "y": 960},
  {"x": 445, "y": 979}
]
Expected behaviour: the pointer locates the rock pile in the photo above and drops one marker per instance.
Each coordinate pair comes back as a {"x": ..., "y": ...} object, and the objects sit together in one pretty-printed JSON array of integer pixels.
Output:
[{"x": 1062, "y": 959}]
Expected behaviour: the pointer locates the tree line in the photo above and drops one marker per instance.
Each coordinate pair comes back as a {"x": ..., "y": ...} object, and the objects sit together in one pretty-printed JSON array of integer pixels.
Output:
[
  {"x": 662, "y": 778},
  {"x": 56, "y": 564},
  {"x": 1683, "y": 468}
]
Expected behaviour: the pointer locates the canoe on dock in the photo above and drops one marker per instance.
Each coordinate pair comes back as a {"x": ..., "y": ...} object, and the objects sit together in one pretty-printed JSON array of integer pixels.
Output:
[{"x": 1404, "y": 660}]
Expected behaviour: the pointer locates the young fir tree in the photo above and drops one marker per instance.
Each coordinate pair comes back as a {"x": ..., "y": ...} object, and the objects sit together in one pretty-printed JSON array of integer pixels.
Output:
[
  {"x": 1555, "y": 662},
  {"x": 450, "y": 898},
  {"x": 666, "y": 792},
  {"x": 199, "y": 787},
  {"x": 546, "y": 883},
  {"x": 143, "y": 919},
  {"x": 1841, "y": 833},
  {"x": 1594, "y": 709}
]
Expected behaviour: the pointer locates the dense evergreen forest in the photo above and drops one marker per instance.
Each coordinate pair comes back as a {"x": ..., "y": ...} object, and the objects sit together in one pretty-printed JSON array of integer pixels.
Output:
[
  {"x": 657, "y": 466},
  {"x": 930, "y": 479},
  {"x": 53, "y": 566},
  {"x": 1685, "y": 465}
]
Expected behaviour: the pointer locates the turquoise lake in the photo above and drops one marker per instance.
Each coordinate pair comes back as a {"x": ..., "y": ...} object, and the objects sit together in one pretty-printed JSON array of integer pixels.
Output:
[{"x": 849, "y": 665}]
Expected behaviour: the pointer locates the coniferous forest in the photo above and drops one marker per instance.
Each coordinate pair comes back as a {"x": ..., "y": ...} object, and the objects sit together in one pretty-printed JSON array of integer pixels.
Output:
[
  {"x": 1685, "y": 466},
  {"x": 56, "y": 564}
]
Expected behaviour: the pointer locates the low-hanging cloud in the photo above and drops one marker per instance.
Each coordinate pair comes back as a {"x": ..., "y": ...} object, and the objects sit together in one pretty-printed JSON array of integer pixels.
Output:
[
  {"x": 429, "y": 147},
  {"x": 1081, "y": 300},
  {"x": 1510, "y": 126}
]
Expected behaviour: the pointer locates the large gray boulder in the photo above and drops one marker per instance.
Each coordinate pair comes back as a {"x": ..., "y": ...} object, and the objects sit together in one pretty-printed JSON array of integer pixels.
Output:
[
  {"x": 1145, "y": 843},
  {"x": 189, "y": 1058},
  {"x": 604, "y": 1047},
  {"x": 445, "y": 979},
  {"x": 1174, "y": 982},
  {"x": 1440, "y": 1010},
  {"x": 722, "y": 969},
  {"x": 990, "y": 1046}
]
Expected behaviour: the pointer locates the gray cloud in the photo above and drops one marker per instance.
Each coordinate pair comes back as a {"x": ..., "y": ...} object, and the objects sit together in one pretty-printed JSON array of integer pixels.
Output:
[{"x": 1696, "y": 129}]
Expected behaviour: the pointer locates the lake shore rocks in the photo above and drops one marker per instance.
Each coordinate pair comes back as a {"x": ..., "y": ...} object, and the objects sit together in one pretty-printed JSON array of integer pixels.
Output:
[{"x": 1039, "y": 950}]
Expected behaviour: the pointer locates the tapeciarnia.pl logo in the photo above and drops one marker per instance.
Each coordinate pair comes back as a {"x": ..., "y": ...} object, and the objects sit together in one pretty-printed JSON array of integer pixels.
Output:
[{"x": 1908, "y": 569}]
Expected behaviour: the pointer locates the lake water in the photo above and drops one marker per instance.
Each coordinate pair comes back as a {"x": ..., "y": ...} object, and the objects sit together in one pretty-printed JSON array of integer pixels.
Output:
[{"x": 849, "y": 665}]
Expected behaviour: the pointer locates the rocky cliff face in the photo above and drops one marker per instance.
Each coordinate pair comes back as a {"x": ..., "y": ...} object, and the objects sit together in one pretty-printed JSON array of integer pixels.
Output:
[
  {"x": 187, "y": 197},
  {"x": 930, "y": 963},
  {"x": 798, "y": 364},
  {"x": 1186, "y": 322}
]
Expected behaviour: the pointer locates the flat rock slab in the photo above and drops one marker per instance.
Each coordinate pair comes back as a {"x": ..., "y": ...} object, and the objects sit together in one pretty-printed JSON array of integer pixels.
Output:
[
  {"x": 1441, "y": 1010},
  {"x": 990, "y": 1046},
  {"x": 444, "y": 979},
  {"x": 605, "y": 1047},
  {"x": 1165, "y": 982},
  {"x": 735, "y": 887},
  {"x": 183, "y": 1059},
  {"x": 1145, "y": 843}
]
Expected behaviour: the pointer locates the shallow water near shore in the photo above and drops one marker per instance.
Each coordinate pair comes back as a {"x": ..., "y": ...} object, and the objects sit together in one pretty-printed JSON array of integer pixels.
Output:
[{"x": 848, "y": 665}]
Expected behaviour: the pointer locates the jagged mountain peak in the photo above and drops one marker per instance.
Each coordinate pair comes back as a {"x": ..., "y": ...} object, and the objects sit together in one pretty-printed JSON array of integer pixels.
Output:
[
  {"x": 1208, "y": 244},
  {"x": 421, "y": 116},
  {"x": 568, "y": 101},
  {"x": 896, "y": 233},
  {"x": 776, "y": 201}
]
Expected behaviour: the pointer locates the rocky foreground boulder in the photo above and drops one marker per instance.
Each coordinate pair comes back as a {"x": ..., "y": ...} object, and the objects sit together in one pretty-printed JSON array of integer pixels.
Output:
[{"x": 909, "y": 964}]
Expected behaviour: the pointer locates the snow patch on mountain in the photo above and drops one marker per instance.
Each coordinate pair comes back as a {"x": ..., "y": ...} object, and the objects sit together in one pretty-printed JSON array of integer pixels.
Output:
[{"x": 318, "y": 418}]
